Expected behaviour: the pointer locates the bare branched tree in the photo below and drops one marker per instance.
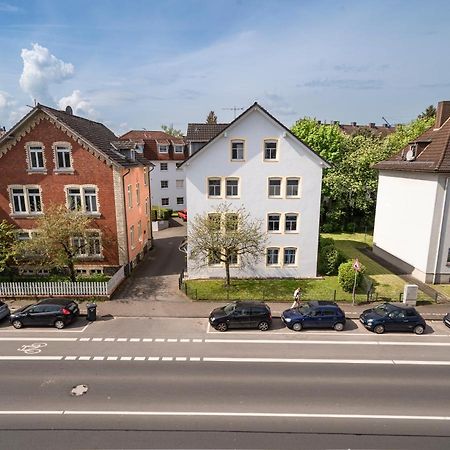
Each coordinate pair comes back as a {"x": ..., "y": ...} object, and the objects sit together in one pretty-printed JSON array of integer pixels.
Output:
[{"x": 226, "y": 236}]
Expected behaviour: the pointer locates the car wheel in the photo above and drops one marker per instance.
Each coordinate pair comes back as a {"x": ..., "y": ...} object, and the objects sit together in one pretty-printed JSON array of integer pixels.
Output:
[
  {"x": 297, "y": 326},
  {"x": 222, "y": 326},
  {"x": 17, "y": 324},
  {"x": 263, "y": 326},
  {"x": 60, "y": 324},
  {"x": 338, "y": 326},
  {"x": 379, "y": 329},
  {"x": 419, "y": 329}
]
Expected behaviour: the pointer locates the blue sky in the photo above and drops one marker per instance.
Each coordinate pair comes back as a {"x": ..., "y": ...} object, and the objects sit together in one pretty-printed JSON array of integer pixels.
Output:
[{"x": 139, "y": 64}]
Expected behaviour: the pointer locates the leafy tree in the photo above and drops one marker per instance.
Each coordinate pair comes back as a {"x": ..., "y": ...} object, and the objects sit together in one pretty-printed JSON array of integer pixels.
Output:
[
  {"x": 211, "y": 118},
  {"x": 346, "y": 276},
  {"x": 330, "y": 258},
  {"x": 225, "y": 235},
  {"x": 53, "y": 245},
  {"x": 8, "y": 245},
  {"x": 429, "y": 113},
  {"x": 169, "y": 129}
]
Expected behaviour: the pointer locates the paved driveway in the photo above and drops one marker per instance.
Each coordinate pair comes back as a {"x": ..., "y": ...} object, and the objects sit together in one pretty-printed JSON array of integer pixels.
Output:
[{"x": 156, "y": 277}]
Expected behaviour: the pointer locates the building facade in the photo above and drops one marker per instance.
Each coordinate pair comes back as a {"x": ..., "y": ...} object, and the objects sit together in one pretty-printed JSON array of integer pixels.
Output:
[
  {"x": 257, "y": 163},
  {"x": 53, "y": 157},
  {"x": 412, "y": 220}
]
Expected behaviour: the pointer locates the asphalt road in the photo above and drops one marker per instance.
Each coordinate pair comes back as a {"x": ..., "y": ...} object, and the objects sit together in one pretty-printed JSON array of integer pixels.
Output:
[{"x": 183, "y": 385}]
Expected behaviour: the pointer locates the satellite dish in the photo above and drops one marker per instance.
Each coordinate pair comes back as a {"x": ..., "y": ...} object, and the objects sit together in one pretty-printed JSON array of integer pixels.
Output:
[{"x": 410, "y": 155}]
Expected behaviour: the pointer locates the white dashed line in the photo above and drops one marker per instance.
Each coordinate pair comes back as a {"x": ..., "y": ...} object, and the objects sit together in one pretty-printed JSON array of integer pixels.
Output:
[
  {"x": 147, "y": 340},
  {"x": 135, "y": 340},
  {"x": 70, "y": 358},
  {"x": 112, "y": 358},
  {"x": 126, "y": 358},
  {"x": 98, "y": 358},
  {"x": 109, "y": 339},
  {"x": 159, "y": 340},
  {"x": 139, "y": 358},
  {"x": 122, "y": 339},
  {"x": 84, "y": 339},
  {"x": 97, "y": 339},
  {"x": 84, "y": 358}
]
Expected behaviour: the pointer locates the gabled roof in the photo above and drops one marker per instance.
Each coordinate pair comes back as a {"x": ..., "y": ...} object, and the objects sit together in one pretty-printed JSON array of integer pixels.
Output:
[
  {"x": 93, "y": 134},
  {"x": 433, "y": 153},
  {"x": 145, "y": 135},
  {"x": 239, "y": 118},
  {"x": 376, "y": 130},
  {"x": 203, "y": 132}
]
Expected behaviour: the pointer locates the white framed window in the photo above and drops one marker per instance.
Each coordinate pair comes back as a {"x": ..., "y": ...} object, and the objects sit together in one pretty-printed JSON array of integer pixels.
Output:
[
  {"x": 214, "y": 259},
  {"x": 179, "y": 184},
  {"x": 83, "y": 198},
  {"x": 273, "y": 256},
  {"x": 180, "y": 200},
  {"x": 25, "y": 200},
  {"x": 130, "y": 196},
  {"x": 163, "y": 166},
  {"x": 138, "y": 194},
  {"x": 214, "y": 185},
  {"x": 274, "y": 187},
  {"x": 290, "y": 223},
  {"x": 270, "y": 150},
  {"x": 140, "y": 231},
  {"x": 292, "y": 187},
  {"x": 237, "y": 150},
  {"x": 233, "y": 259},
  {"x": 273, "y": 222},
  {"x": 88, "y": 245},
  {"x": 165, "y": 201},
  {"x": 163, "y": 148},
  {"x": 132, "y": 237},
  {"x": 289, "y": 257},
  {"x": 231, "y": 222},
  {"x": 164, "y": 184},
  {"x": 232, "y": 187},
  {"x": 179, "y": 148},
  {"x": 35, "y": 157},
  {"x": 63, "y": 156}
]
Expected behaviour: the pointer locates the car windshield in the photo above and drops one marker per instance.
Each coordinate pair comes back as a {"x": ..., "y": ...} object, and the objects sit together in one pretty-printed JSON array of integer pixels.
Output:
[
  {"x": 304, "y": 309},
  {"x": 383, "y": 310},
  {"x": 229, "y": 308}
]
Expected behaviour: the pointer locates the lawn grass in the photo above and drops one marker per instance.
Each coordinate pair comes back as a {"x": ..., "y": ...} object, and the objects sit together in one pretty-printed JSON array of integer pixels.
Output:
[{"x": 387, "y": 285}]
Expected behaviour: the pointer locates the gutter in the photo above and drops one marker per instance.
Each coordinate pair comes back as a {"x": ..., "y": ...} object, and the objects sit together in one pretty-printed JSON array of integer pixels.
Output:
[
  {"x": 125, "y": 214},
  {"x": 440, "y": 231}
]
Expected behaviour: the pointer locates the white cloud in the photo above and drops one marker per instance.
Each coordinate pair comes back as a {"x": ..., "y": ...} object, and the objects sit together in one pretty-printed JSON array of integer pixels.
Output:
[
  {"x": 6, "y": 101},
  {"x": 40, "y": 69},
  {"x": 80, "y": 106}
]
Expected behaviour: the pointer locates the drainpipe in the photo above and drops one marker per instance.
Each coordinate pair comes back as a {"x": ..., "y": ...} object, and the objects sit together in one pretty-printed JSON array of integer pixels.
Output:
[
  {"x": 151, "y": 168},
  {"x": 440, "y": 231},
  {"x": 125, "y": 217}
]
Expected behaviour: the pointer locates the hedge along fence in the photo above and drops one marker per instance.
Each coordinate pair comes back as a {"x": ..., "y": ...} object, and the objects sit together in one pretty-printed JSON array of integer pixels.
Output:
[
  {"x": 62, "y": 288},
  {"x": 161, "y": 213}
]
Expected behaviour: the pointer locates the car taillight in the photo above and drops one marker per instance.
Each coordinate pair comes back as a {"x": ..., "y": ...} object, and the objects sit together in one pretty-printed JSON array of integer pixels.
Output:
[{"x": 65, "y": 311}]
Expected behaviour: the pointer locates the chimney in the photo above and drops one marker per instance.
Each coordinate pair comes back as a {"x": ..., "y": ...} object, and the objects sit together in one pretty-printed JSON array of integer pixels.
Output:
[
  {"x": 335, "y": 122},
  {"x": 372, "y": 124},
  {"x": 442, "y": 113},
  {"x": 69, "y": 110},
  {"x": 353, "y": 124},
  {"x": 319, "y": 122}
]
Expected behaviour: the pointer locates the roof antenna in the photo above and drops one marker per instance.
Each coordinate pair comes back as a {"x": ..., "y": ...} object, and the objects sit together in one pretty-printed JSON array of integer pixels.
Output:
[
  {"x": 387, "y": 123},
  {"x": 234, "y": 109}
]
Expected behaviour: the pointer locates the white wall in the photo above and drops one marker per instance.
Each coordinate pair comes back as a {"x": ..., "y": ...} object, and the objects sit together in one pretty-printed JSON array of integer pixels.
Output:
[
  {"x": 295, "y": 160},
  {"x": 172, "y": 192},
  {"x": 405, "y": 217}
]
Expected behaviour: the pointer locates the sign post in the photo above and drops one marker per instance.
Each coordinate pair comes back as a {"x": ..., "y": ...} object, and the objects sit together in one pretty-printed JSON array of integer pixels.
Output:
[{"x": 356, "y": 268}]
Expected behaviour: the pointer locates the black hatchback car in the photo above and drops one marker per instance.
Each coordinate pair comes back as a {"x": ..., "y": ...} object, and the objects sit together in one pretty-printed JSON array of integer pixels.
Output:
[
  {"x": 315, "y": 314},
  {"x": 389, "y": 317},
  {"x": 57, "y": 312},
  {"x": 241, "y": 315}
]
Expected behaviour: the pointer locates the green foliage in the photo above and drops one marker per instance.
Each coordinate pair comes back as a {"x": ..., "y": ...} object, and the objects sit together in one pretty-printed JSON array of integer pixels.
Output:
[
  {"x": 430, "y": 112},
  {"x": 211, "y": 118},
  {"x": 329, "y": 258},
  {"x": 346, "y": 276},
  {"x": 169, "y": 129},
  {"x": 159, "y": 213},
  {"x": 8, "y": 244}
]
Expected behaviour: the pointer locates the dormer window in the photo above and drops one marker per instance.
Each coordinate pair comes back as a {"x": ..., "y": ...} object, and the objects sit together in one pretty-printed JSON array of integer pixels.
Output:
[
  {"x": 163, "y": 148},
  {"x": 179, "y": 148},
  {"x": 411, "y": 153}
]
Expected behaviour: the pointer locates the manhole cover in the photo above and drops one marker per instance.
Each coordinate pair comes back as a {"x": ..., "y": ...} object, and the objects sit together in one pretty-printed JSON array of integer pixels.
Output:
[{"x": 79, "y": 390}]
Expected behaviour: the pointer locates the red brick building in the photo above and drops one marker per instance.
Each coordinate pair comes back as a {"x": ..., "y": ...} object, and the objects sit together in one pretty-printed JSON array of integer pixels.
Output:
[{"x": 54, "y": 157}]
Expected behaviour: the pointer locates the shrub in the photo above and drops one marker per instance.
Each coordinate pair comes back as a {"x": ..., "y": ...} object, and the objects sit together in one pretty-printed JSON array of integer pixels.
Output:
[
  {"x": 327, "y": 228},
  {"x": 346, "y": 276},
  {"x": 154, "y": 214},
  {"x": 329, "y": 258},
  {"x": 350, "y": 227}
]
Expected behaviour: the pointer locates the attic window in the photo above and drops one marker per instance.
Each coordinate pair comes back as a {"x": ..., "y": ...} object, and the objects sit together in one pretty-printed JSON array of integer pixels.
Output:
[{"x": 411, "y": 153}]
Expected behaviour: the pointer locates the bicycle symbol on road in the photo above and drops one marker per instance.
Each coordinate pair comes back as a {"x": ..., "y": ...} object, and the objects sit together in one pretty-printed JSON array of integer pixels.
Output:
[{"x": 32, "y": 349}]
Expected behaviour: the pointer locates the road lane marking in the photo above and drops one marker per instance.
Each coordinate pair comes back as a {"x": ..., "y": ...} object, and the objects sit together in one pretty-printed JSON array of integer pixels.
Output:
[
  {"x": 122, "y": 339},
  {"x": 147, "y": 340},
  {"x": 253, "y": 414},
  {"x": 112, "y": 358},
  {"x": 38, "y": 339},
  {"x": 70, "y": 358},
  {"x": 139, "y": 358},
  {"x": 109, "y": 339},
  {"x": 84, "y": 339},
  {"x": 84, "y": 358},
  {"x": 97, "y": 339},
  {"x": 98, "y": 358},
  {"x": 135, "y": 340},
  {"x": 31, "y": 358}
]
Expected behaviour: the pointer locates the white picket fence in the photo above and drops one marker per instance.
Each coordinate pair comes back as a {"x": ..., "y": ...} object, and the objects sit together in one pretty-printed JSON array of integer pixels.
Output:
[{"x": 62, "y": 288}]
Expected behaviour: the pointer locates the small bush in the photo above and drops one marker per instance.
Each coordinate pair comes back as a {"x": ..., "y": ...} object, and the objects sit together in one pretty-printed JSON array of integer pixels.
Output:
[
  {"x": 154, "y": 214},
  {"x": 346, "y": 276},
  {"x": 330, "y": 258},
  {"x": 350, "y": 227}
]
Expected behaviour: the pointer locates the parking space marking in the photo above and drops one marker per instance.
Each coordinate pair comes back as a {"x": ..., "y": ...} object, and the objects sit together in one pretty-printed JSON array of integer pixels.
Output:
[{"x": 49, "y": 330}]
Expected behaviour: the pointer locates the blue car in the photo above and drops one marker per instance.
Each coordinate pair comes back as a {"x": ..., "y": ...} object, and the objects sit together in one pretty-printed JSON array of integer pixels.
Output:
[
  {"x": 4, "y": 310},
  {"x": 314, "y": 314}
]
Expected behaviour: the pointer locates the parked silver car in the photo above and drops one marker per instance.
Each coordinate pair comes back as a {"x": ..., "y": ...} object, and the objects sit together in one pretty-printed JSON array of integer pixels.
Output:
[{"x": 4, "y": 310}]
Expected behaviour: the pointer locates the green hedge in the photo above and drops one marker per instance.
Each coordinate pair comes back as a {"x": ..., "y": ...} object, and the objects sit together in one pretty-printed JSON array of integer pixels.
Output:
[
  {"x": 346, "y": 276},
  {"x": 330, "y": 258},
  {"x": 161, "y": 213}
]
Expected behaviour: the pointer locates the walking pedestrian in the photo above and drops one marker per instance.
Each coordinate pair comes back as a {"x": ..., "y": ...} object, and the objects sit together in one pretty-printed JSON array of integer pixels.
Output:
[{"x": 297, "y": 296}]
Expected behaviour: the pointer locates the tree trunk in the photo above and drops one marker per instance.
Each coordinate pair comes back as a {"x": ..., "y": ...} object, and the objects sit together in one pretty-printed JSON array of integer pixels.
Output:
[
  {"x": 227, "y": 270},
  {"x": 70, "y": 264}
]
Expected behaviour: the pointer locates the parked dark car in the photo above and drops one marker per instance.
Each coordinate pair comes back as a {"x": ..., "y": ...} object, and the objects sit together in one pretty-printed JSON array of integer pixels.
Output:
[
  {"x": 390, "y": 317},
  {"x": 4, "y": 310},
  {"x": 57, "y": 312},
  {"x": 183, "y": 214},
  {"x": 446, "y": 320},
  {"x": 241, "y": 315},
  {"x": 314, "y": 314}
]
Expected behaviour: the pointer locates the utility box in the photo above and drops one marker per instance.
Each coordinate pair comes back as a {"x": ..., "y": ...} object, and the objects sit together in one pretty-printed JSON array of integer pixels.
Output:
[{"x": 410, "y": 294}]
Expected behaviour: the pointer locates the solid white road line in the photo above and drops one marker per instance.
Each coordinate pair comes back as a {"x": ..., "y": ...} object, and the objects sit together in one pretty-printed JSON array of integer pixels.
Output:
[
  {"x": 27, "y": 358},
  {"x": 250, "y": 415},
  {"x": 39, "y": 339}
]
